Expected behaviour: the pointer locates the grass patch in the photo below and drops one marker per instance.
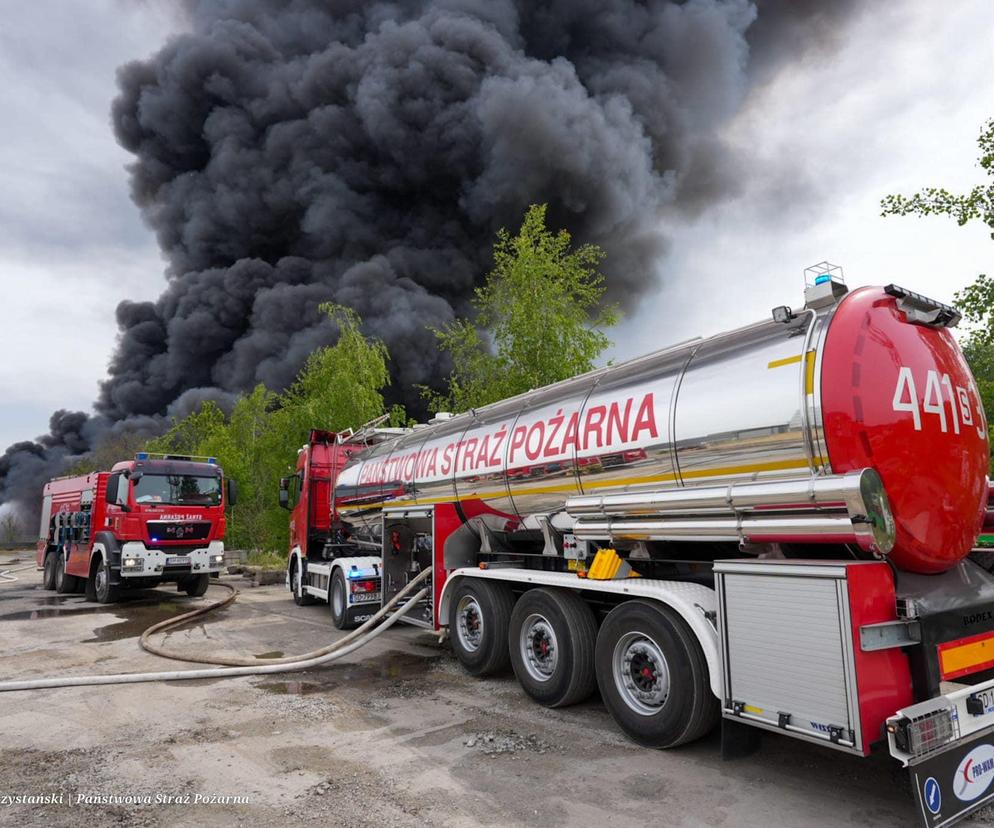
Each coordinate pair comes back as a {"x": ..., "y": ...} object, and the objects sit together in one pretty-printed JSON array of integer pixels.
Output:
[{"x": 267, "y": 560}]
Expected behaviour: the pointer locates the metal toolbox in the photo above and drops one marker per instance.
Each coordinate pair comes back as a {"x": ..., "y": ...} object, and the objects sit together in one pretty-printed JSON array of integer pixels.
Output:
[{"x": 790, "y": 648}]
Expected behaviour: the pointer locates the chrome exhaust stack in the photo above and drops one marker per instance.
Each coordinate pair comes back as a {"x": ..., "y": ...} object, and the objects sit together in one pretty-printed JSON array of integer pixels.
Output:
[{"x": 844, "y": 508}]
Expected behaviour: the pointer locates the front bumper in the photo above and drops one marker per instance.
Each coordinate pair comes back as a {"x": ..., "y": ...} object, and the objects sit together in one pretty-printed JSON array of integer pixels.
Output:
[{"x": 138, "y": 561}]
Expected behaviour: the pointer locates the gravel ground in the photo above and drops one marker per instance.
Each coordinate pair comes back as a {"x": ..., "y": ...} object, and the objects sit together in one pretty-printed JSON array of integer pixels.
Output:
[{"x": 396, "y": 735}]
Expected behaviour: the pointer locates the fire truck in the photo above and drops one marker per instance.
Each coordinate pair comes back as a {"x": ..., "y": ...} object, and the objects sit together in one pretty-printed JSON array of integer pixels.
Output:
[
  {"x": 154, "y": 519},
  {"x": 769, "y": 529}
]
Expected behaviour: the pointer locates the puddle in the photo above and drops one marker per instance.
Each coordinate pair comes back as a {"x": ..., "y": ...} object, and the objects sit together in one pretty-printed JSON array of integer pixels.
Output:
[
  {"x": 139, "y": 619},
  {"x": 272, "y": 654},
  {"x": 392, "y": 669}
]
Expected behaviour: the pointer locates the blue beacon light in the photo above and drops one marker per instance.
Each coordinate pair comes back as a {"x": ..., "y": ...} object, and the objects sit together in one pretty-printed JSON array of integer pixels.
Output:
[{"x": 821, "y": 279}]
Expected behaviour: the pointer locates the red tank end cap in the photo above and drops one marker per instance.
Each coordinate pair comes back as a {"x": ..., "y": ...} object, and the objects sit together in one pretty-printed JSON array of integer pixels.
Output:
[{"x": 899, "y": 397}]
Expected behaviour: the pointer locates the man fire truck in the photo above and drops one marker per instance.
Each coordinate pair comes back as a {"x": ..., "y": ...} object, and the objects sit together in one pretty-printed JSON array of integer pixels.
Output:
[
  {"x": 769, "y": 527},
  {"x": 150, "y": 520}
]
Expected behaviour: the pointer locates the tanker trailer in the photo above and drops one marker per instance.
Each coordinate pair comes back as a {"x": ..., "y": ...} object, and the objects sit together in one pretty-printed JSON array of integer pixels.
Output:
[{"x": 768, "y": 527}]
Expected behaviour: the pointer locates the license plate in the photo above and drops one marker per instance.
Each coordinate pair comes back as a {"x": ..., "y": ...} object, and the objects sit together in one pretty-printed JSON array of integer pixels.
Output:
[
  {"x": 986, "y": 699},
  {"x": 365, "y": 597},
  {"x": 174, "y": 561}
]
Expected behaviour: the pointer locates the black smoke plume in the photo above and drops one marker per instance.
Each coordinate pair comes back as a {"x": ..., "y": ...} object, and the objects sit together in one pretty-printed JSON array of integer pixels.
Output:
[{"x": 290, "y": 153}]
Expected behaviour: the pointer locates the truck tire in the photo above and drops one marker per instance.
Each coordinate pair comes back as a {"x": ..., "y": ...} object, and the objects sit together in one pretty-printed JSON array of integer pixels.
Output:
[
  {"x": 65, "y": 584},
  {"x": 551, "y": 641},
  {"x": 653, "y": 676},
  {"x": 196, "y": 585},
  {"x": 300, "y": 598},
  {"x": 479, "y": 616},
  {"x": 104, "y": 592},
  {"x": 48, "y": 572},
  {"x": 338, "y": 600}
]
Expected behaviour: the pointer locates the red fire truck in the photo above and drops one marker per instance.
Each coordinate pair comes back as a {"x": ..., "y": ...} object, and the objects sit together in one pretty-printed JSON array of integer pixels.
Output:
[
  {"x": 150, "y": 520},
  {"x": 769, "y": 528},
  {"x": 326, "y": 563}
]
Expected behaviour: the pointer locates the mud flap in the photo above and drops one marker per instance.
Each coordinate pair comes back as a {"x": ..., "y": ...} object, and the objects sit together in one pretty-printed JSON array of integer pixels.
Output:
[{"x": 954, "y": 781}]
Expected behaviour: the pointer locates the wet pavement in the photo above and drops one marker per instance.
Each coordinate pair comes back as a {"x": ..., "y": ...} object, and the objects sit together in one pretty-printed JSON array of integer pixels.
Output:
[{"x": 395, "y": 734}]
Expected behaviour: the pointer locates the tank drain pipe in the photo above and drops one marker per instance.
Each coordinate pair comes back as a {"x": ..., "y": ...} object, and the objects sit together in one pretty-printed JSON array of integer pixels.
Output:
[{"x": 225, "y": 672}]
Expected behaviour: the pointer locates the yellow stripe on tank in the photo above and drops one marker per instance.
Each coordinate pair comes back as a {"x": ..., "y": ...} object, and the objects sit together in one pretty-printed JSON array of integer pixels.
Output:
[{"x": 560, "y": 488}]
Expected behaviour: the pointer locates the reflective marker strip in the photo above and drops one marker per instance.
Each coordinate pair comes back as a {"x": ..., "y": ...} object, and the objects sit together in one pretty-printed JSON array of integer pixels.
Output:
[
  {"x": 809, "y": 381},
  {"x": 966, "y": 655}
]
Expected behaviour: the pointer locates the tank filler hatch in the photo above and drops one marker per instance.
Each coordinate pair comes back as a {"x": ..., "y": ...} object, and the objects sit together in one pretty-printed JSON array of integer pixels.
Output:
[{"x": 824, "y": 285}]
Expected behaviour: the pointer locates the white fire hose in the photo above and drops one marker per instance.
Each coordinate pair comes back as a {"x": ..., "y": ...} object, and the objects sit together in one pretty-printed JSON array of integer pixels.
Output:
[
  {"x": 342, "y": 647},
  {"x": 5, "y": 574}
]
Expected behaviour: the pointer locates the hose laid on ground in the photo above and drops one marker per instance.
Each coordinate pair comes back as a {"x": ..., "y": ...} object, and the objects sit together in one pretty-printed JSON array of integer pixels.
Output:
[
  {"x": 8, "y": 578},
  {"x": 225, "y": 672},
  {"x": 237, "y": 661}
]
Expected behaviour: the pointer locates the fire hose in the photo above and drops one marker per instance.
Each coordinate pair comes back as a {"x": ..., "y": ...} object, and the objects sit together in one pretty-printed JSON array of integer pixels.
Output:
[
  {"x": 5, "y": 574},
  {"x": 248, "y": 667}
]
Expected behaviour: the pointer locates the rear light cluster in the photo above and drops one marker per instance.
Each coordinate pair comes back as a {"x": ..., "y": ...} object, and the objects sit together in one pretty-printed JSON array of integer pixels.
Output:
[{"x": 365, "y": 586}]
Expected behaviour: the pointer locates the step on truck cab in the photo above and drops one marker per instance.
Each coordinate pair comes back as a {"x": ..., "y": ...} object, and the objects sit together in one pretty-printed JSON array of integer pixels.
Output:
[
  {"x": 151, "y": 520},
  {"x": 326, "y": 563}
]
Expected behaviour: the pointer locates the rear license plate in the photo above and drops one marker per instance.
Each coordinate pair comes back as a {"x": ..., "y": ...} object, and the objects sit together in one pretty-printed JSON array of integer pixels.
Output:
[
  {"x": 365, "y": 597},
  {"x": 177, "y": 561}
]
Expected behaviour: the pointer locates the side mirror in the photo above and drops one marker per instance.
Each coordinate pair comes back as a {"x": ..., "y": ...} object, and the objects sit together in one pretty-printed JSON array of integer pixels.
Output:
[
  {"x": 117, "y": 491},
  {"x": 285, "y": 492},
  {"x": 231, "y": 490}
]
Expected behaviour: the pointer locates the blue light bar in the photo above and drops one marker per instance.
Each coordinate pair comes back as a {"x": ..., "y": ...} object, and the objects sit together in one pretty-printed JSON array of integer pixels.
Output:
[
  {"x": 212, "y": 461},
  {"x": 142, "y": 455},
  {"x": 824, "y": 277}
]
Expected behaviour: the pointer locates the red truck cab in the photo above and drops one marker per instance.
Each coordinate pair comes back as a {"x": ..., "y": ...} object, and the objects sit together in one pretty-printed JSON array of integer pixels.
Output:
[
  {"x": 150, "y": 520},
  {"x": 325, "y": 562}
]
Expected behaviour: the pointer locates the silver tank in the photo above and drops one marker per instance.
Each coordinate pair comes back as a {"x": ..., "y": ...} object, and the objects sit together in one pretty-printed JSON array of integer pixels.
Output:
[{"x": 740, "y": 406}]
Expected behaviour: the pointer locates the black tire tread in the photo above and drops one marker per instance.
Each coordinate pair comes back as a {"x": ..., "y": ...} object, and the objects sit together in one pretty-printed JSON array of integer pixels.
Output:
[
  {"x": 583, "y": 627},
  {"x": 703, "y": 706},
  {"x": 197, "y": 585},
  {"x": 499, "y": 600},
  {"x": 502, "y": 600},
  {"x": 340, "y": 623}
]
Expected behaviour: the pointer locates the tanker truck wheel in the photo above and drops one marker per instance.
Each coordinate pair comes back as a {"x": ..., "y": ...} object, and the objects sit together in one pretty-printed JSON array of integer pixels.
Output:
[
  {"x": 653, "y": 676},
  {"x": 197, "y": 585},
  {"x": 479, "y": 616},
  {"x": 338, "y": 600},
  {"x": 552, "y": 637},
  {"x": 48, "y": 573}
]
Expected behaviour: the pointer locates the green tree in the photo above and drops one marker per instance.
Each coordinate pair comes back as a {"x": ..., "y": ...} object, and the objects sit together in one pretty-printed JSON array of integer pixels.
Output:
[
  {"x": 542, "y": 313},
  {"x": 976, "y": 302},
  {"x": 340, "y": 386},
  {"x": 977, "y": 204}
]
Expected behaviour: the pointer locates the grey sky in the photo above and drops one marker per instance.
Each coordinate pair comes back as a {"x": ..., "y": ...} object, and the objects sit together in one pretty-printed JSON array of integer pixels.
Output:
[{"x": 898, "y": 106}]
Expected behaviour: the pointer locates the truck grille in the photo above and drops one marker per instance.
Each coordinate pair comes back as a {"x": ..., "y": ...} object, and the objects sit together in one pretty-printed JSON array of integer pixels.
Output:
[{"x": 176, "y": 530}]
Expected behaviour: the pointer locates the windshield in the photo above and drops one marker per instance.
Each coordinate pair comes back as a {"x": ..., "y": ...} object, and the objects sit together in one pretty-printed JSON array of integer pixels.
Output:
[{"x": 178, "y": 490}]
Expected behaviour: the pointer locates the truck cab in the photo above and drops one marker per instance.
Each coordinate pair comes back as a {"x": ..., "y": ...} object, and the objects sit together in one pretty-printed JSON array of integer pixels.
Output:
[
  {"x": 153, "y": 519},
  {"x": 326, "y": 562}
]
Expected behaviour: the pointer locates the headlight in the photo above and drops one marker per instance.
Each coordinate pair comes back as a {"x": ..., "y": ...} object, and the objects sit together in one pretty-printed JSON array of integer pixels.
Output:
[
  {"x": 133, "y": 563},
  {"x": 218, "y": 559}
]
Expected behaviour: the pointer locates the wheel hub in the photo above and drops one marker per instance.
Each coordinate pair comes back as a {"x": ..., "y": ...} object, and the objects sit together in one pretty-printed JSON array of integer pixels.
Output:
[
  {"x": 538, "y": 647},
  {"x": 469, "y": 623},
  {"x": 641, "y": 673}
]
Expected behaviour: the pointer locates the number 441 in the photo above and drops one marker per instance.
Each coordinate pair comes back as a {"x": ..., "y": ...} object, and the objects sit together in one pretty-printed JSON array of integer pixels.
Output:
[{"x": 934, "y": 402}]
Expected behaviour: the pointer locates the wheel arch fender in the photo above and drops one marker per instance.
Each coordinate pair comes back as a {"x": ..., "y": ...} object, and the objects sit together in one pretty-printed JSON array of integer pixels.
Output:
[
  {"x": 106, "y": 544},
  {"x": 693, "y": 603},
  {"x": 296, "y": 559}
]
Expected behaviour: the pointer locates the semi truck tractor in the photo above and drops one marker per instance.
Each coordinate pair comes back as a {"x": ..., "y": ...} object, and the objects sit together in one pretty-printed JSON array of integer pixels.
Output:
[
  {"x": 154, "y": 519},
  {"x": 768, "y": 529}
]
